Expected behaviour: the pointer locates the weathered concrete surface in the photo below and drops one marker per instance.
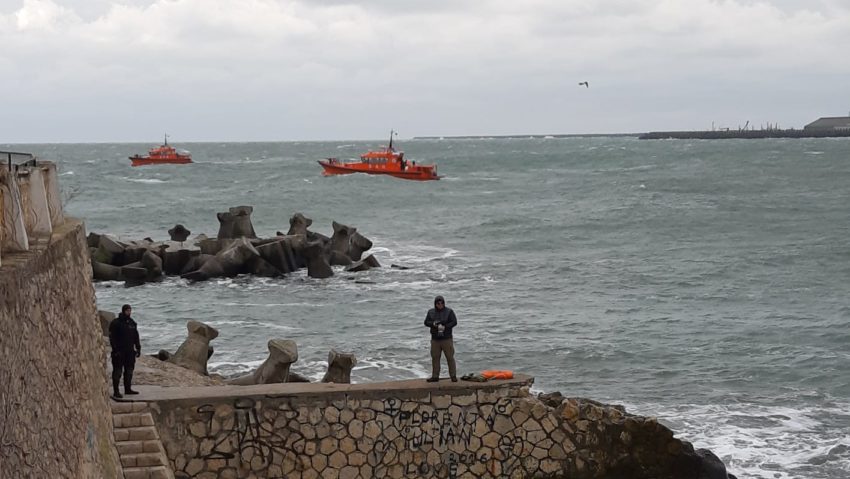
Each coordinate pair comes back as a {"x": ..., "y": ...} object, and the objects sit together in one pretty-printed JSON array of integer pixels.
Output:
[{"x": 55, "y": 419}]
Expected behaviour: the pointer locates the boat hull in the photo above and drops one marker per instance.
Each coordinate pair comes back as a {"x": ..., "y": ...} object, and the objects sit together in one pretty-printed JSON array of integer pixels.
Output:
[
  {"x": 143, "y": 160},
  {"x": 416, "y": 173}
]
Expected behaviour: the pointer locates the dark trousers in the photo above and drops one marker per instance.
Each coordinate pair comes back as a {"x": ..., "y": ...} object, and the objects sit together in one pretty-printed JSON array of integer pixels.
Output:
[
  {"x": 123, "y": 363},
  {"x": 443, "y": 346}
]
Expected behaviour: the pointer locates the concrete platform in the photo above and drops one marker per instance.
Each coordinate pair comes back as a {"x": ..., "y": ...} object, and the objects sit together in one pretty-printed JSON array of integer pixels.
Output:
[{"x": 415, "y": 387}]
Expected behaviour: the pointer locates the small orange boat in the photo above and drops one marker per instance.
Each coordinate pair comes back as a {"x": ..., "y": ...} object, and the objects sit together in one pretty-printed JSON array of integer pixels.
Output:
[
  {"x": 382, "y": 162},
  {"x": 162, "y": 154}
]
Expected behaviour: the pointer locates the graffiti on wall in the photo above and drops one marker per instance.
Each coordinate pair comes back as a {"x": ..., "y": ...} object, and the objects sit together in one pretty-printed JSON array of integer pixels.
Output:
[
  {"x": 404, "y": 434},
  {"x": 249, "y": 436}
]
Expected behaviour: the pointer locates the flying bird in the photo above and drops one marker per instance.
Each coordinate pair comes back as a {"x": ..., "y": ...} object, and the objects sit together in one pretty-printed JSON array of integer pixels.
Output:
[{"x": 586, "y": 84}]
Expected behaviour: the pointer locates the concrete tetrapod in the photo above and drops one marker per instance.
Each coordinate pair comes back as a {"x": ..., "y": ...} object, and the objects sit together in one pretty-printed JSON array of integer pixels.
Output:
[
  {"x": 193, "y": 353},
  {"x": 339, "y": 367},
  {"x": 275, "y": 369}
]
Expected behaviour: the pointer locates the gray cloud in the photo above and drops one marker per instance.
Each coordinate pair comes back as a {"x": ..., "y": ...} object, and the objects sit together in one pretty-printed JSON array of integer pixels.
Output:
[{"x": 260, "y": 69}]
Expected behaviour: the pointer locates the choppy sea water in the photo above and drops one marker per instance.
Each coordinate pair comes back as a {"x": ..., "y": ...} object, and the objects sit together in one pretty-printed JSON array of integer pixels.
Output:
[{"x": 703, "y": 282}]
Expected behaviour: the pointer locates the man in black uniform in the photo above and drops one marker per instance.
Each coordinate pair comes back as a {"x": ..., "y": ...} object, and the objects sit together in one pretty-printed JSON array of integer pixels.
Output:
[
  {"x": 441, "y": 320},
  {"x": 124, "y": 339}
]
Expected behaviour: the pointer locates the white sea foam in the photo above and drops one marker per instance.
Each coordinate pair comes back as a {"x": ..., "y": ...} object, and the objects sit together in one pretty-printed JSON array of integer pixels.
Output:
[
  {"x": 776, "y": 442},
  {"x": 145, "y": 180}
]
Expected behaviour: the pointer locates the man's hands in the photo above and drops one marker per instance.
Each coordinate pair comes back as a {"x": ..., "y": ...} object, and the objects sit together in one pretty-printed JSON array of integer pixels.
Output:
[{"x": 138, "y": 353}]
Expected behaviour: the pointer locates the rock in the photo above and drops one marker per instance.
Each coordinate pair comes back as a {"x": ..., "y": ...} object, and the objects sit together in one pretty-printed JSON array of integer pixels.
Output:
[
  {"x": 313, "y": 236},
  {"x": 297, "y": 378},
  {"x": 108, "y": 250},
  {"x": 279, "y": 254},
  {"x": 134, "y": 272},
  {"x": 711, "y": 467},
  {"x": 236, "y": 223},
  {"x": 242, "y": 226},
  {"x": 260, "y": 267},
  {"x": 132, "y": 254},
  {"x": 93, "y": 240},
  {"x": 193, "y": 353},
  {"x": 150, "y": 370},
  {"x": 153, "y": 264},
  {"x": 105, "y": 272},
  {"x": 551, "y": 399},
  {"x": 396, "y": 266},
  {"x": 341, "y": 237},
  {"x": 212, "y": 246},
  {"x": 195, "y": 263},
  {"x": 106, "y": 318},
  {"x": 298, "y": 224},
  {"x": 365, "y": 264},
  {"x": 357, "y": 245},
  {"x": 176, "y": 257},
  {"x": 234, "y": 258},
  {"x": 338, "y": 258},
  {"x": 179, "y": 233},
  {"x": 339, "y": 367},
  {"x": 229, "y": 262},
  {"x": 358, "y": 266},
  {"x": 317, "y": 264},
  {"x": 372, "y": 261},
  {"x": 162, "y": 355},
  {"x": 275, "y": 369}
]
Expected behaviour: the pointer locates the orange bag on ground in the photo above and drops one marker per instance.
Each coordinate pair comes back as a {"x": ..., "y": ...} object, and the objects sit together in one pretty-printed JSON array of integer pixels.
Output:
[{"x": 498, "y": 374}]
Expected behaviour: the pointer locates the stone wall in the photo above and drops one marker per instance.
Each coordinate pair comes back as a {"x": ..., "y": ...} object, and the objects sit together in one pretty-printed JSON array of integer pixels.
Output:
[
  {"x": 55, "y": 419},
  {"x": 404, "y": 430}
]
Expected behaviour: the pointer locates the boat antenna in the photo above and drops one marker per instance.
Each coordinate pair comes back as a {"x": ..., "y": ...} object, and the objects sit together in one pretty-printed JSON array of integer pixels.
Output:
[
  {"x": 166, "y": 138},
  {"x": 391, "y": 139}
]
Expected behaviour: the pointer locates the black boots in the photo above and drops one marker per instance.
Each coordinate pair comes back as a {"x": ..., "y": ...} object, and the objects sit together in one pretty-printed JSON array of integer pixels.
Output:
[
  {"x": 432, "y": 380},
  {"x": 454, "y": 379},
  {"x": 116, "y": 394},
  {"x": 128, "y": 379}
]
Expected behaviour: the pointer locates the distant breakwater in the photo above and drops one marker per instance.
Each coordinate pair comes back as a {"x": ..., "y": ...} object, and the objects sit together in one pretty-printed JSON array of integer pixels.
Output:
[
  {"x": 744, "y": 134},
  {"x": 526, "y": 137}
]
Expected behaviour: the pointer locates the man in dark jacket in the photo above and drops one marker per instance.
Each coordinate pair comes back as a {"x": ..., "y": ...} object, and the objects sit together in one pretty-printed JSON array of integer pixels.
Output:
[
  {"x": 441, "y": 320},
  {"x": 124, "y": 339}
]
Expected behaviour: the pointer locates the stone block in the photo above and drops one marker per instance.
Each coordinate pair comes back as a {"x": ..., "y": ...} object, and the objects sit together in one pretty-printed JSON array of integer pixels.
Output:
[
  {"x": 130, "y": 447},
  {"x": 142, "y": 433},
  {"x": 159, "y": 473},
  {"x": 465, "y": 400},
  {"x": 441, "y": 402},
  {"x": 319, "y": 462}
]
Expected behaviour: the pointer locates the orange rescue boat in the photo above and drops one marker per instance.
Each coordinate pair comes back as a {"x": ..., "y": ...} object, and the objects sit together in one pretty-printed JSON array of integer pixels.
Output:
[
  {"x": 162, "y": 154},
  {"x": 382, "y": 162}
]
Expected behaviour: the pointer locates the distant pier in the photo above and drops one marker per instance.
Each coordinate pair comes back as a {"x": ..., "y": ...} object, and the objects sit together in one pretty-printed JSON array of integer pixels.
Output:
[
  {"x": 525, "y": 137},
  {"x": 743, "y": 134}
]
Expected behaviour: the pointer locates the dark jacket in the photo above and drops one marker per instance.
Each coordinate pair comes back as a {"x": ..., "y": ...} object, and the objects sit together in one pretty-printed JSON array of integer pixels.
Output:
[
  {"x": 124, "y": 336},
  {"x": 446, "y": 317}
]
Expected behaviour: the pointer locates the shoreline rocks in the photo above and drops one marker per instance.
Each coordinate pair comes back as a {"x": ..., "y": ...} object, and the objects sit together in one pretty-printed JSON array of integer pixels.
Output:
[{"x": 235, "y": 250}]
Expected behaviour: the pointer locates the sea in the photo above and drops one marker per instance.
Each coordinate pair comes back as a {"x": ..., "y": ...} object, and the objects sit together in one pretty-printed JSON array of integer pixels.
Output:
[{"x": 701, "y": 282}]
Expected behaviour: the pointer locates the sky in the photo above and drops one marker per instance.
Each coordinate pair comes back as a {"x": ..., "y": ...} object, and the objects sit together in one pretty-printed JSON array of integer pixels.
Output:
[{"x": 264, "y": 70}]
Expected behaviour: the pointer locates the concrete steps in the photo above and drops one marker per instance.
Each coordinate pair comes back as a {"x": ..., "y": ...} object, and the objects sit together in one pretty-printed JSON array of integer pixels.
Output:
[{"x": 137, "y": 441}]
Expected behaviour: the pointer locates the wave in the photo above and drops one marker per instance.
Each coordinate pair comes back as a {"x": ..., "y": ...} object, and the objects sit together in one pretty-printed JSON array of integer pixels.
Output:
[
  {"x": 144, "y": 180},
  {"x": 767, "y": 441}
]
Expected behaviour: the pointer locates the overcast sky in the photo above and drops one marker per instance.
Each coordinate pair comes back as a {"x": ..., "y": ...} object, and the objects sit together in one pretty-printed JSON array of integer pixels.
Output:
[{"x": 208, "y": 70}]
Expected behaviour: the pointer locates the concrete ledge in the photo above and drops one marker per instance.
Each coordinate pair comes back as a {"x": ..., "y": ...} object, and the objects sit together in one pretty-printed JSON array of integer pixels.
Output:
[
  {"x": 411, "y": 387},
  {"x": 13, "y": 260}
]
